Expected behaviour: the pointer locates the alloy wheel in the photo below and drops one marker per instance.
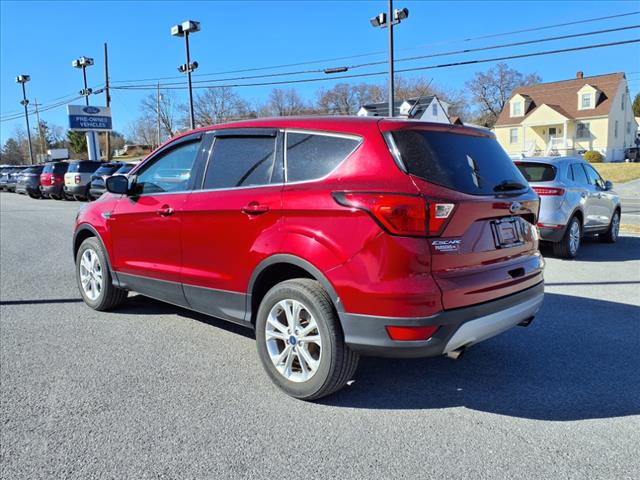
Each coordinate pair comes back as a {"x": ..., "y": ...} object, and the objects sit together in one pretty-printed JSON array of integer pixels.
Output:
[
  {"x": 91, "y": 274},
  {"x": 293, "y": 340},
  {"x": 574, "y": 237}
]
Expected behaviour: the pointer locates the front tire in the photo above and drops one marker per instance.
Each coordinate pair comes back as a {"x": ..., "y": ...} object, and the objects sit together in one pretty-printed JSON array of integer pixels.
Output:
[
  {"x": 570, "y": 243},
  {"x": 300, "y": 342},
  {"x": 94, "y": 277},
  {"x": 611, "y": 235}
]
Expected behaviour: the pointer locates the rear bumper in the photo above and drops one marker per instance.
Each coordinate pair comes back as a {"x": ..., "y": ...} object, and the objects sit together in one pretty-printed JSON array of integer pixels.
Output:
[
  {"x": 459, "y": 327},
  {"x": 96, "y": 192},
  {"x": 76, "y": 189},
  {"x": 32, "y": 189},
  {"x": 51, "y": 189},
  {"x": 552, "y": 234}
]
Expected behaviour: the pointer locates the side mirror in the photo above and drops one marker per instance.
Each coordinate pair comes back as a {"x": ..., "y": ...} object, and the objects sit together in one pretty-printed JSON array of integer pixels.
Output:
[
  {"x": 608, "y": 185},
  {"x": 118, "y": 184}
]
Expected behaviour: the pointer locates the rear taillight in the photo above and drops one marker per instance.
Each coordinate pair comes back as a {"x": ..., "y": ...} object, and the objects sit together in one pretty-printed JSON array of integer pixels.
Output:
[
  {"x": 78, "y": 179},
  {"x": 408, "y": 334},
  {"x": 400, "y": 214},
  {"x": 548, "y": 191}
]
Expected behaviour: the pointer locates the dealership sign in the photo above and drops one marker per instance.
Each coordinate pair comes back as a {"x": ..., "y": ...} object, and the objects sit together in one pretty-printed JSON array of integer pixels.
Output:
[{"x": 89, "y": 118}]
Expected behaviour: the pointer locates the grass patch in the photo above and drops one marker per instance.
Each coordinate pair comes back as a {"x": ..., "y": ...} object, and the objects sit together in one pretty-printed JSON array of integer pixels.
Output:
[
  {"x": 618, "y": 172},
  {"x": 629, "y": 228}
]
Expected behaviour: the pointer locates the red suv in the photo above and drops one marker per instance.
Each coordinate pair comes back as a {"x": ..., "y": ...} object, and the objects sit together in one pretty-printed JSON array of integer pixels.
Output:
[{"x": 331, "y": 237}]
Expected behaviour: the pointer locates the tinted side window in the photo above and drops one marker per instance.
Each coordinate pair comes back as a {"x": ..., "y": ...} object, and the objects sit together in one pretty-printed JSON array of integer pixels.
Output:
[
  {"x": 241, "y": 162},
  {"x": 594, "y": 177},
  {"x": 170, "y": 171},
  {"x": 578, "y": 175},
  {"x": 312, "y": 156}
]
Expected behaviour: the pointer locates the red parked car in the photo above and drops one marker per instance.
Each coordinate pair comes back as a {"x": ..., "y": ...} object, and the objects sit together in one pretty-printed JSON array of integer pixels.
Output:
[
  {"x": 331, "y": 237},
  {"x": 52, "y": 180}
]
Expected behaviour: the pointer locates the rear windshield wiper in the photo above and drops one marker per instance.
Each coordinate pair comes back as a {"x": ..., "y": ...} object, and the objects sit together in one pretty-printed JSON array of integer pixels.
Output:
[{"x": 508, "y": 185}]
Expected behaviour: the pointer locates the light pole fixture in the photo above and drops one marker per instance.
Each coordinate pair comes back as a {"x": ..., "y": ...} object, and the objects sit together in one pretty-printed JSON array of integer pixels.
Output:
[
  {"x": 93, "y": 145},
  {"x": 183, "y": 30},
  {"x": 83, "y": 63},
  {"x": 23, "y": 79},
  {"x": 388, "y": 20}
]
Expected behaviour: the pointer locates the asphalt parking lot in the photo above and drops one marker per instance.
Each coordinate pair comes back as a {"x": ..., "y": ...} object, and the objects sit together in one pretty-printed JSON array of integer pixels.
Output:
[{"x": 154, "y": 391}]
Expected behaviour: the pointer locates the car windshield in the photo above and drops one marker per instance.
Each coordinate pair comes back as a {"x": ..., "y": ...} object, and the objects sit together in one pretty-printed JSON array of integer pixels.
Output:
[
  {"x": 474, "y": 164},
  {"x": 537, "y": 172}
]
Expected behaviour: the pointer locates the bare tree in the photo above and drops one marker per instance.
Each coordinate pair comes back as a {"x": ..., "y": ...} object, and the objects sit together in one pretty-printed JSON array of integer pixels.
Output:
[
  {"x": 168, "y": 111},
  {"x": 217, "y": 105},
  {"x": 142, "y": 131},
  {"x": 346, "y": 99},
  {"x": 284, "y": 102},
  {"x": 490, "y": 90}
]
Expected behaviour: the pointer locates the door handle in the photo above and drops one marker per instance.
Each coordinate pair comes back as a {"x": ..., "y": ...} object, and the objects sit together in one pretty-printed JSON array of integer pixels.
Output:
[
  {"x": 165, "y": 211},
  {"x": 255, "y": 208}
]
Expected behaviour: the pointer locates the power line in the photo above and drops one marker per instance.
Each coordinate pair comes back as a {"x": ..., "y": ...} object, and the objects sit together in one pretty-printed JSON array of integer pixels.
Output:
[
  {"x": 419, "y": 57},
  {"x": 50, "y": 102},
  {"x": 445, "y": 42},
  {"x": 413, "y": 69}
]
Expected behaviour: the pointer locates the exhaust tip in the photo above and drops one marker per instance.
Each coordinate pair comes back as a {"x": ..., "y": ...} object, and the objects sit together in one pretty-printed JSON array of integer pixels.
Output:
[
  {"x": 456, "y": 354},
  {"x": 526, "y": 322}
]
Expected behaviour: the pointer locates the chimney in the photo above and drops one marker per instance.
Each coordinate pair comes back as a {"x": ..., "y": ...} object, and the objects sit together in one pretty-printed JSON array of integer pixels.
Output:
[{"x": 580, "y": 74}]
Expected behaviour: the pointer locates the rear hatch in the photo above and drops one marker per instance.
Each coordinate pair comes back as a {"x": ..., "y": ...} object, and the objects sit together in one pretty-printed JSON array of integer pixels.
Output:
[
  {"x": 482, "y": 213},
  {"x": 543, "y": 177}
]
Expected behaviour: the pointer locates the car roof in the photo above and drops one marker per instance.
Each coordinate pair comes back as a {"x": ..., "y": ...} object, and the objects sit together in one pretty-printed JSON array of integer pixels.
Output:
[{"x": 550, "y": 160}]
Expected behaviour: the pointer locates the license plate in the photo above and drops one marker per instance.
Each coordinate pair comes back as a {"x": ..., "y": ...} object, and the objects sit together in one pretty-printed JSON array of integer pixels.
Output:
[{"x": 508, "y": 232}]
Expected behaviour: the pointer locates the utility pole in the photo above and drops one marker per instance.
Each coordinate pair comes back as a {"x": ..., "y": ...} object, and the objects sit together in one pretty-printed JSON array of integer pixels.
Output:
[
  {"x": 107, "y": 138},
  {"x": 42, "y": 142},
  {"x": 22, "y": 79},
  {"x": 158, "y": 111}
]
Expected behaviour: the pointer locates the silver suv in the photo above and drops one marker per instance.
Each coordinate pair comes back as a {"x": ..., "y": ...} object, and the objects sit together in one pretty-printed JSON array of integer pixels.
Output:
[{"x": 574, "y": 201}]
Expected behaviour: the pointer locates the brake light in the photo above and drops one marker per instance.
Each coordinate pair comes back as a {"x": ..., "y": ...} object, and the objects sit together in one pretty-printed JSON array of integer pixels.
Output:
[
  {"x": 406, "y": 334},
  {"x": 548, "y": 191},
  {"x": 400, "y": 214},
  {"x": 77, "y": 179}
]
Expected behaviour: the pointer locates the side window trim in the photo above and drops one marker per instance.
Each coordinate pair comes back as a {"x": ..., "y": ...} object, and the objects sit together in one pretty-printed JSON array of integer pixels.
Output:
[
  {"x": 356, "y": 138},
  {"x": 156, "y": 156},
  {"x": 279, "y": 149}
]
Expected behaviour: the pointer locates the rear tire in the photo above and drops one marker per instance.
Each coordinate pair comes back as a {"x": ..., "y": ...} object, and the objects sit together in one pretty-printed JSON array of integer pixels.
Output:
[
  {"x": 297, "y": 316},
  {"x": 570, "y": 243},
  {"x": 94, "y": 277},
  {"x": 611, "y": 235}
]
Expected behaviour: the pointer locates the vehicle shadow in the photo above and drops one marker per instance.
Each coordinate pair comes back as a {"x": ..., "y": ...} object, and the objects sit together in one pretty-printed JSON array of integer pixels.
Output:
[
  {"x": 592, "y": 250},
  {"x": 578, "y": 360},
  {"x": 140, "y": 305}
]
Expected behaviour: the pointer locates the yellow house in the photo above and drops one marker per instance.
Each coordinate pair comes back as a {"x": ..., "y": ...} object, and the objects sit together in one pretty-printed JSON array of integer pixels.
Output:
[{"x": 569, "y": 117}]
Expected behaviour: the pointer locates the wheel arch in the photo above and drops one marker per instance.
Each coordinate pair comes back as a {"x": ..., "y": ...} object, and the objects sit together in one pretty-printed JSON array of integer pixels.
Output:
[
  {"x": 85, "y": 231},
  {"x": 278, "y": 268}
]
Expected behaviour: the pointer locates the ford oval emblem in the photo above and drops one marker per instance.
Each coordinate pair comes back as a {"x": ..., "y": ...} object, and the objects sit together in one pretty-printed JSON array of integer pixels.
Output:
[
  {"x": 514, "y": 207},
  {"x": 91, "y": 110}
]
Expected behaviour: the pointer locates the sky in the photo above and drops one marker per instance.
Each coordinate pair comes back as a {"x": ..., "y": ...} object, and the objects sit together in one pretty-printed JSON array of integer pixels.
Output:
[{"x": 41, "y": 39}]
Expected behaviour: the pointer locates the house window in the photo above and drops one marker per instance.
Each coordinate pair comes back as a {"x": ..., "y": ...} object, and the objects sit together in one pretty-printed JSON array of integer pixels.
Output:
[
  {"x": 582, "y": 130},
  {"x": 513, "y": 135},
  {"x": 516, "y": 109},
  {"x": 629, "y": 128},
  {"x": 622, "y": 102},
  {"x": 434, "y": 109},
  {"x": 586, "y": 101},
  {"x": 615, "y": 129}
]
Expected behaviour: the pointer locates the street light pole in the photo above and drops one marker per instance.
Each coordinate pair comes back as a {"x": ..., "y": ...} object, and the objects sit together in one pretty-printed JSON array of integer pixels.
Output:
[
  {"x": 93, "y": 144},
  {"x": 388, "y": 20},
  {"x": 22, "y": 79},
  {"x": 183, "y": 30}
]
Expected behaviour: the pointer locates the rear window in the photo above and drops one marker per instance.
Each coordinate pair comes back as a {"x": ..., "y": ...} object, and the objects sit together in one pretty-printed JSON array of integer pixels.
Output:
[
  {"x": 466, "y": 163},
  {"x": 537, "y": 172},
  {"x": 106, "y": 169},
  {"x": 312, "y": 156},
  {"x": 84, "y": 167},
  {"x": 55, "y": 167},
  {"x": 33, "y": 170}
]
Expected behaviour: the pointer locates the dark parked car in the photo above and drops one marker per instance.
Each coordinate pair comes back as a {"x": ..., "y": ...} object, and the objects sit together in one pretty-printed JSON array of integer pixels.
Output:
[
  {"x": 29, "y": 181},
  {"x": 52, "y": 180},
  {"x": 632, "y": 154},
  {"x": 331, "y": 237},
  {"x": 78, "y": 178},
  {"x": 96, "y": 187}
]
